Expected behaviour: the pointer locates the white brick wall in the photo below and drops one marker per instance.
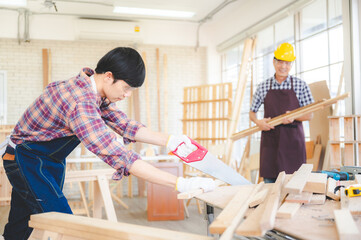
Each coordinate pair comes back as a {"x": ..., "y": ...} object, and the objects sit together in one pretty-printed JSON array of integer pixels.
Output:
[{"x": 23, "y": 63}]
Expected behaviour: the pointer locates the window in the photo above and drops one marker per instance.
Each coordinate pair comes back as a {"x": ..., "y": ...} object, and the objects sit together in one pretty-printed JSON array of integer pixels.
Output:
[{"x": 3, "y": 99}]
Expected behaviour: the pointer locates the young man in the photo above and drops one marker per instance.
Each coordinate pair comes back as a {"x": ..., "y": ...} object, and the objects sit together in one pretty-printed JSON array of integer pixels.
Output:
[
  {"x": 79, "y": 110},
  {"x": 283, "y": 146}
]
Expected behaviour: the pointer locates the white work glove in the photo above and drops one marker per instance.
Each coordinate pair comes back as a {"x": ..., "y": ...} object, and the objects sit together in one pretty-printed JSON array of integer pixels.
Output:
[
  {"x": 183, "y": 143},
  {"x": 187, "y": 184}
]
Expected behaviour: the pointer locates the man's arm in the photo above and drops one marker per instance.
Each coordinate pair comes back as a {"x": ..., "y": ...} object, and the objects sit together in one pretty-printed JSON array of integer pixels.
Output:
[
  {"x": 145, "y": 135},
  {"x": 261, "y": 123}
]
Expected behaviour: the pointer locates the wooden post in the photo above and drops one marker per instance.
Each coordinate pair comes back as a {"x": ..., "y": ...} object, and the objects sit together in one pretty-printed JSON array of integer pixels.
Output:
[{"x": 46, "y": 67}]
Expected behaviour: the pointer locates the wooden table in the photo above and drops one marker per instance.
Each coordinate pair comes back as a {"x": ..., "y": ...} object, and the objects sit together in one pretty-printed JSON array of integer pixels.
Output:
[{"x": 310, "y": 222}]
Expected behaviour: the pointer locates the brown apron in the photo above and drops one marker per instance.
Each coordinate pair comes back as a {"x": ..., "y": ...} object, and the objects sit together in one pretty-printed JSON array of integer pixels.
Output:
[{"x": 283, "y": 148}]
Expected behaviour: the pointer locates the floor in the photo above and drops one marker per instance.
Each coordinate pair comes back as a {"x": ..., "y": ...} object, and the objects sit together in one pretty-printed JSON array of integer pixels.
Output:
[{"x": 137, "y": 214}]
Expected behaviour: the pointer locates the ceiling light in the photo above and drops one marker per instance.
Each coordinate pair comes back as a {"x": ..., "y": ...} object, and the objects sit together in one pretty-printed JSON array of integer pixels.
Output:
[
  {"x": 13, "y": 3},
  {"x": 153, "y": 12}
]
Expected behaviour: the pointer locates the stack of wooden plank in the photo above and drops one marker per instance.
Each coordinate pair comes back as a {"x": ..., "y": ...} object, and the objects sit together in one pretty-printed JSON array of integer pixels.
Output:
[{"x": 281, "y": 200}]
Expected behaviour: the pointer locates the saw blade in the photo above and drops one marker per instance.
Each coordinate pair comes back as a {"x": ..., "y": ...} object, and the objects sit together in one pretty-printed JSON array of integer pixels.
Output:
[{"x": 218, "y": 169}]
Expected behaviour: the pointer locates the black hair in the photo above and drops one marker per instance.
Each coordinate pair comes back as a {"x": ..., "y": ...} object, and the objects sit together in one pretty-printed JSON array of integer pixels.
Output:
[{"x": 125, "y": 64}]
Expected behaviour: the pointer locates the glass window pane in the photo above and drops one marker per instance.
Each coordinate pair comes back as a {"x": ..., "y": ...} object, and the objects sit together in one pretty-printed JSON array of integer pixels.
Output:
[
  {"x": 335, "y": 74},
  {"x": 314, "y": 52},
  {"x": 240, "y": 52},
  {"x": 264, "y": 68},
  {"x": 336, "y": 44},
  {"x": 265, "y": 41},
  {"x": 316, "y": 75},
  {"x": 231, "y": 58},
  {"x": 334, "y": 12},
  {"x": 231, "y": 75},
  {"x": 313, "y": 18},
  {"x": 284, "y": 31}
]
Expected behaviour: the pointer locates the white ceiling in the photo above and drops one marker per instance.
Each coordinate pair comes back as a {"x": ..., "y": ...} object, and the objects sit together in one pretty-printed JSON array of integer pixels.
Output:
[{"x": 104, "y": 9}]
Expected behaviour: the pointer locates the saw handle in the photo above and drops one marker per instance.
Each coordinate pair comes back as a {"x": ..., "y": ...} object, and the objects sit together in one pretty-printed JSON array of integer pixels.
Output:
[{"x": 194, "y": 156}]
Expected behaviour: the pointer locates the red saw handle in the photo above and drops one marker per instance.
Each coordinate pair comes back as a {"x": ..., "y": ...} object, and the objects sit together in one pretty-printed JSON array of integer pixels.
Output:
[{"x": 194, "y": 156}]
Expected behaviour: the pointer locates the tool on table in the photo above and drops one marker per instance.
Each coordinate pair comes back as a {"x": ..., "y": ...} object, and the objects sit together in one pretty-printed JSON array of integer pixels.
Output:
[
  {"x": 351, "y": 191},
  {"x": 204, "y": 161},
  {"x": 351, "y": 170},
  {"x": 337, "y": 175}
]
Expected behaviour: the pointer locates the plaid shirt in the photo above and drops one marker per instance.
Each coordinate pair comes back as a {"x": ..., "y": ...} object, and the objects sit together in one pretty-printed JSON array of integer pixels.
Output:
[
  {"x": 303, "y": 92},
  {"x": 72, "y": 107}
]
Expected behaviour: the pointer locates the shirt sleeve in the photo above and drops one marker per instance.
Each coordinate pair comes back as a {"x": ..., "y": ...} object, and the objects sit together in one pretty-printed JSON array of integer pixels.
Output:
[
  {"x": 306, "y": 95},
  {"x": 118, "y": 121},
  {"x": 86, "y": 123},
  {"x": 258, "y": 98}
]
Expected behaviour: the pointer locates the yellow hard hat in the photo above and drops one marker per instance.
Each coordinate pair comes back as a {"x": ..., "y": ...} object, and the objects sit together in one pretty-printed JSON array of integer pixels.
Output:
[{"x": 285, "y": 52}]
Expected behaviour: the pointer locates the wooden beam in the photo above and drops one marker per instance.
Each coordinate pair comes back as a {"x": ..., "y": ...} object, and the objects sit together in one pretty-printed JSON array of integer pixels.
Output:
[
  {"x": 299, "y": 179},
  {"x": 292, "y": 114},
  {"x": 228, "y": 233},
  {"x": 79, "y": 227}
]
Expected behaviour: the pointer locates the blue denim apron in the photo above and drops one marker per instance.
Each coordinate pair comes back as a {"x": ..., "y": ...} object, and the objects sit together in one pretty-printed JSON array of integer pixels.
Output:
[{"x": 37, "y": 176}]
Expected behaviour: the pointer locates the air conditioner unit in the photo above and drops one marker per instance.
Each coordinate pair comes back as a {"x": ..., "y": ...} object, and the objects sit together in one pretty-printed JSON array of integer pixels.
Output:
[{"x": 105, "y": 29}]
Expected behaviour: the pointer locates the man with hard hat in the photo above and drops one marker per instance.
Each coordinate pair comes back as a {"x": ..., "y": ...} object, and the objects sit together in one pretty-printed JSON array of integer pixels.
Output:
[{"x": 283, "y": 146}]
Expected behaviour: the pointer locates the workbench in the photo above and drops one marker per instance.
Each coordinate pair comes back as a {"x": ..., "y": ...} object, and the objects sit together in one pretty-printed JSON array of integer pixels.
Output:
[{"x": 310, "y": 222}]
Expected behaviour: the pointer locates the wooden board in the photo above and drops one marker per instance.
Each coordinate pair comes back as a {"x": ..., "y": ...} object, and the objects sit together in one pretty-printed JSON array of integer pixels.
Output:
[
  {"x": 95, "y": 229},
  {"x": 224, "y": 219},
  {"x": 292, "y": 114},
  {"x": 316, "y": 183},
  {"x": 318, "y": 124},
  {"x": 288, "y": 210},
  {"x": 299, "y": 179},
  {"x": 162, "y": 200},
  {"x": 317, "y": 199},
  {"x": 331, "y": 184},
  {"x": 346, "y": 226},
  {"x": 303, "y": 197}
]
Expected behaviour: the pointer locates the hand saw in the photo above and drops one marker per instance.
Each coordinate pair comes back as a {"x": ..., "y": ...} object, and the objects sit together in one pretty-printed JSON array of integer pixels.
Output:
[{"x": 204, "y": 161}]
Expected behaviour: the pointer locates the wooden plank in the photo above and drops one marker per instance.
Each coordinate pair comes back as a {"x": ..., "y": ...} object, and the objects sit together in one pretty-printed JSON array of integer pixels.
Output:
[
  {"x": 165, "y": 77},
  {"x": 335, "y": 155},
  {"x": 317, "y": 124},
  {"x": 304, "y": 197},
  {"x": 316, "y": 183},
  {"x": 317, "y": 199},
  {"x": 288, "y": 210},
  {"x": 235, "y": 205},
  {"x": 346, "y": 226},
  {"x": 267, "y": 220},
  {"x": 250, "y": 226},
  {"x": 315, "y": 160},
  {"x": 331, "y": 184},
  {"x": 228, "y": 233},
  {"x": 95, "y": 229},
  {"x": 46, "y": 66},
  {"x": 258, "y": 198},
  {"x": 107, "y": 198},
  {"x": 158, "y": 90},
  {"x": 292, "y": 114},
  {"x": 349, "y": 155},
  {"x": 241, "y": 87},
  {"x": 299, "y": 179}
]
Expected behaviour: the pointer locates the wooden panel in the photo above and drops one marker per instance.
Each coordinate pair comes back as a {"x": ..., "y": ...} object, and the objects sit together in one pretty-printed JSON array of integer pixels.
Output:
[
  {"x": 331, "y": 184},
  {"x": 162, "y": 201},
  {"x": 310, "y": 145},
  {"x": 304, "y": 197}
]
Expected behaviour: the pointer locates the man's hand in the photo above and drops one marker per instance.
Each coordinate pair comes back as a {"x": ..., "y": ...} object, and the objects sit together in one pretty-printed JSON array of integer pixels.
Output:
[
  {"x": 183, "y": 143},
  {"x": 263, "y": 124},
  {"x": 188, "y": 184},
  {"x": 287, "y": 120}
]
